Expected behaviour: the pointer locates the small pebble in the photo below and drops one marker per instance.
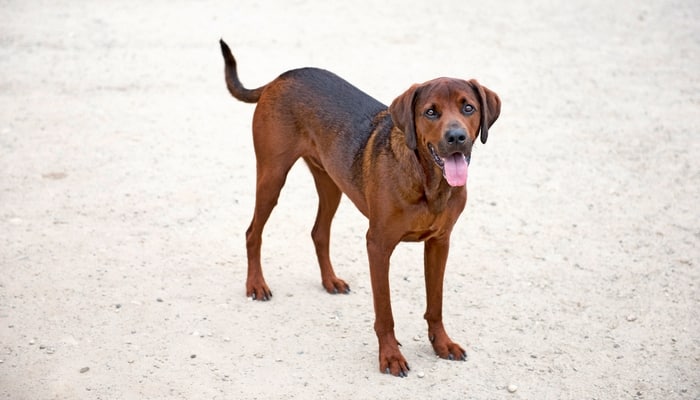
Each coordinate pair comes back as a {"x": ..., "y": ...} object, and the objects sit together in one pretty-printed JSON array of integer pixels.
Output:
[
  {"x": 84, "y": 370},
  {"x": 421, "y": 374},
  {"x": 193, "y": 356},
  {"x": 159, "y": 300},
  {"x": 631, "y": 318},
  {"x": 416, "y": 338},
  {"x": 512, "y": 388},
  {"x": 31, "y": 342}
]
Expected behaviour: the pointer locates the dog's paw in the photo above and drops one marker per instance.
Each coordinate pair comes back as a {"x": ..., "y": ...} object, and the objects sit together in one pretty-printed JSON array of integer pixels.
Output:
[
  {"x": 262, "y": 295},
  {"x": 258, "y": 291},
  {"x": 336, "y": 285},
  {"x": 391, "y": 361},
  {"x": 449, "y": 350}
]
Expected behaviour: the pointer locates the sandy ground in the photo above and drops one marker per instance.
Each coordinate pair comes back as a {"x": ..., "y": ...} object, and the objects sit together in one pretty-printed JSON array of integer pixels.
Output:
[{"x": 127, "y": 176}]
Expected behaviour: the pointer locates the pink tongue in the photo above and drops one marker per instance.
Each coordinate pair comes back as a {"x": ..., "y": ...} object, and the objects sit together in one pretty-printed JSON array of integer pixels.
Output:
[{"x": 456, "y": 170}]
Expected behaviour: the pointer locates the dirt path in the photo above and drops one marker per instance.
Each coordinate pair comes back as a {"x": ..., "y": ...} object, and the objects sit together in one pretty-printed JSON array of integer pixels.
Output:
[{"x": 126, "y": 184}]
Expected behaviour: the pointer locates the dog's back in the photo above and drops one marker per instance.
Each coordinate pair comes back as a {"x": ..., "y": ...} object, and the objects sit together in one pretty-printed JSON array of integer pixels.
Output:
[
  {"x": 330, "y": 122},
  {"x": 313, "y": 93},
  {"x": 314, "y": 114}
]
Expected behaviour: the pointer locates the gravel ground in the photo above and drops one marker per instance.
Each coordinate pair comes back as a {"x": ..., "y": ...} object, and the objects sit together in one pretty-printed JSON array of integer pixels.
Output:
[{"x": 127, "y": 182}]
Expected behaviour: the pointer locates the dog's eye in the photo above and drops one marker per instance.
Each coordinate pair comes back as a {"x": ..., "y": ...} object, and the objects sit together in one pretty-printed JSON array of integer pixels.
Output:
[
  {"x": 431, "y": 113},
  {"x": 468, "y": 109}
]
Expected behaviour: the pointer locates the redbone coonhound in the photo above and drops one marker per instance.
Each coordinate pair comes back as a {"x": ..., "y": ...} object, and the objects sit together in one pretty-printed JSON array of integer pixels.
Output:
[{"x": 404, "y": 167}]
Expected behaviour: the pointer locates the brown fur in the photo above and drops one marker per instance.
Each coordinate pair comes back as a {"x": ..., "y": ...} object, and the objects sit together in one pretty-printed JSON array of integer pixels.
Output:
[{"x": 383, "y": 159}]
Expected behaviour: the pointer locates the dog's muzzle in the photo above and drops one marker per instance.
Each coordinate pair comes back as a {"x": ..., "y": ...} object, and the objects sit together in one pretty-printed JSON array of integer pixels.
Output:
[{"x": 455, "y": 167}]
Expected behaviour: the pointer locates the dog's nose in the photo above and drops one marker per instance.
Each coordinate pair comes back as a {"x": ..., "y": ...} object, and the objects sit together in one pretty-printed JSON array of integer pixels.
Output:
[{"x": 456, "y": 136}]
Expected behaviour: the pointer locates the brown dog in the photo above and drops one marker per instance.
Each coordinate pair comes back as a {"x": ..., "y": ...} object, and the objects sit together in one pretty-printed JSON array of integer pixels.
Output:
[{"x": 405, "y": 168}]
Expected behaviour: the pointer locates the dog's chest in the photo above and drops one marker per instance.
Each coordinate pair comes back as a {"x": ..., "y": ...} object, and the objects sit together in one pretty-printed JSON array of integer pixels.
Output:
[{"x": 426, "y": 224}]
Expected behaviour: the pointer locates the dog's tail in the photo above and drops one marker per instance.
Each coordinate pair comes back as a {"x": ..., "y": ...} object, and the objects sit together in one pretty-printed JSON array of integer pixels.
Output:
[{"x": 235, "y": 87}]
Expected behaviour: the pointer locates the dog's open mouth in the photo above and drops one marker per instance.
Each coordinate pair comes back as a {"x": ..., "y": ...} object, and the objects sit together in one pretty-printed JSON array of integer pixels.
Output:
[{"x": 454, "y": 167}]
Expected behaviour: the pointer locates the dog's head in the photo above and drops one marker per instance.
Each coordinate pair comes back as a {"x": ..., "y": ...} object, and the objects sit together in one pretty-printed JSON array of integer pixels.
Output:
[{"x": 442, "y": 118}]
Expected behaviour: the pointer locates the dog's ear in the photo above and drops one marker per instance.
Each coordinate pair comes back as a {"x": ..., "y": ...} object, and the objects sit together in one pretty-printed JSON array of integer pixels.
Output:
[
  {"x": 490, "y": 108},
  {"x": 401, "y": 110}
]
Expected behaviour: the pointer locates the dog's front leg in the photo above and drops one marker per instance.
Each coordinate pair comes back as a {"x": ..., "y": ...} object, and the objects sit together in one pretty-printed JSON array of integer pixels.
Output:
[
  {"x": 390, "y": 358},
  {"x": 435, "y": 260}
]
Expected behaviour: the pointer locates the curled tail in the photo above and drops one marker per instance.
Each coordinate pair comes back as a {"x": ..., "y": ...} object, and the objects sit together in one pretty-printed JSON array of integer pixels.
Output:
[{"x": 235, "y": 87}]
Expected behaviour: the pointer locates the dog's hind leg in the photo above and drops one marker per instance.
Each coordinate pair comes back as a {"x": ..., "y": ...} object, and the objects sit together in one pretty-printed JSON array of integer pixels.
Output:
[
  {"x": 328, "y": 200},
  {"x": 272, "y": 173},
  {"x": 267, "y": 191}
]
